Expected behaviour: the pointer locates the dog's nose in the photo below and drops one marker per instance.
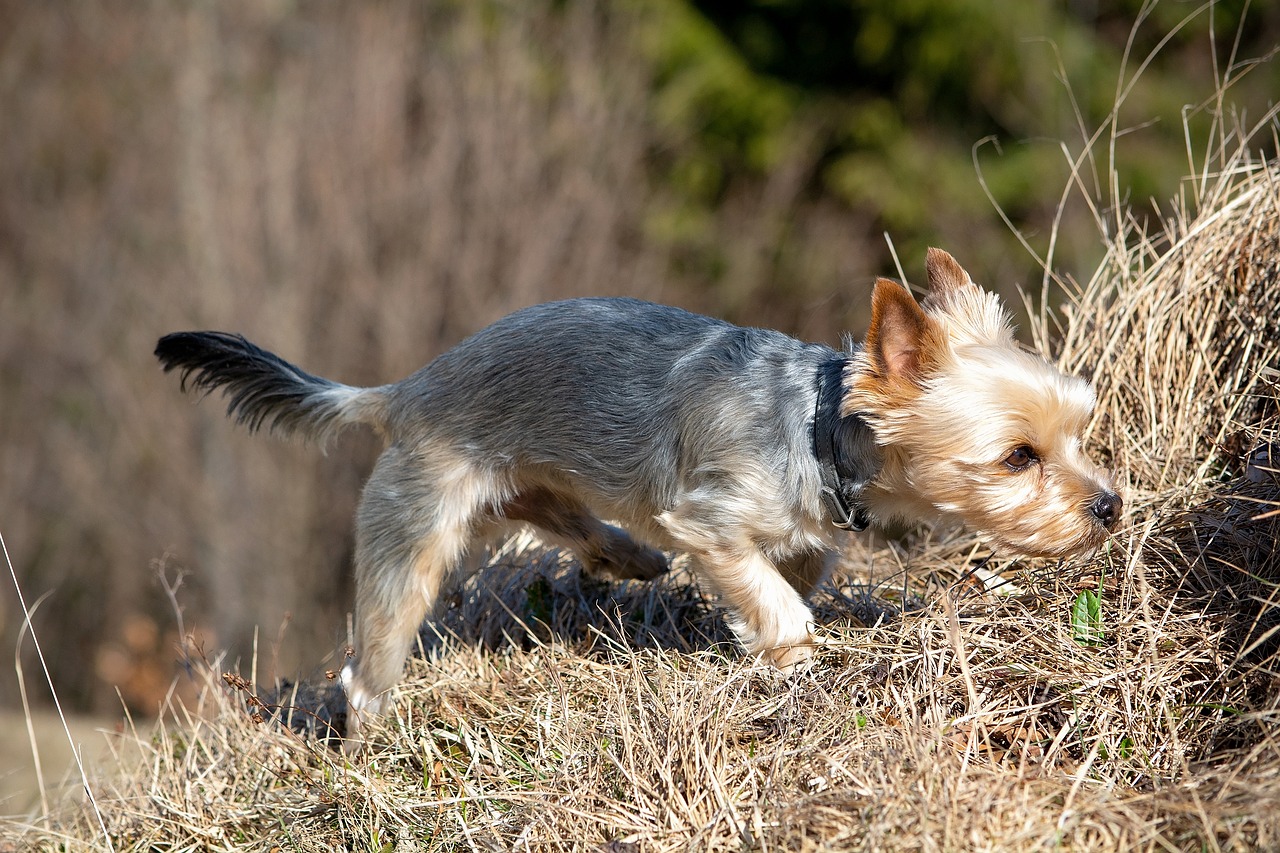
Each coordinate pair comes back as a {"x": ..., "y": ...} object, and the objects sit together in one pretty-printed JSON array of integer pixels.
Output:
[{"x": 1106, "y": 508}]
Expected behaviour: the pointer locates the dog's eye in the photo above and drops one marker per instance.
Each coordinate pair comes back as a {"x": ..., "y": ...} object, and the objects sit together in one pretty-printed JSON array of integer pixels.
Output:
[{"x": 1021, "y": 458}]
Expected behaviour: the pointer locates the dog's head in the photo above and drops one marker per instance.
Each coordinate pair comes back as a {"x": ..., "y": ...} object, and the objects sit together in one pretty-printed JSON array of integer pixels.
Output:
[{"x": 973, "y": 426}]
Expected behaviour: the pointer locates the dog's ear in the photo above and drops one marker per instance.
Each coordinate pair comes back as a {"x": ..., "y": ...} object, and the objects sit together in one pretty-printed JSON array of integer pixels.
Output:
[
  {"x": 902, "y": 341},
  {"x": 946, "y": 276}
]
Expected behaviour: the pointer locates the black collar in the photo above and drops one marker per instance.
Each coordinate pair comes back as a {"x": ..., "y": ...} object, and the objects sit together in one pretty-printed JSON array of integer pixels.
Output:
[{"x": 841, "y": 480}]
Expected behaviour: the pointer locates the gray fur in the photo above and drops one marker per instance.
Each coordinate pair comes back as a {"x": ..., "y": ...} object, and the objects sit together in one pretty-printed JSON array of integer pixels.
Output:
[
  {"x": 629, "y": 401},
  {"x": 692, "y": 433}
]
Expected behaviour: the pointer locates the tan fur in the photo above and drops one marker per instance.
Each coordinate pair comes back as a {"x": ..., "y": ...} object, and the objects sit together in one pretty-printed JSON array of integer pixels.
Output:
[{"x": 950, "y": 395}]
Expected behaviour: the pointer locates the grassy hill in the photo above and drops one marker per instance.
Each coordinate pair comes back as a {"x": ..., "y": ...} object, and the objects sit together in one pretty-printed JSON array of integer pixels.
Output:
[{"x": 1125, "y": 701}]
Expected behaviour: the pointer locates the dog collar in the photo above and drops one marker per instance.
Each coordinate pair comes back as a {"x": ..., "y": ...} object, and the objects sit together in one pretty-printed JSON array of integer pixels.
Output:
[{"x": 840, "y": 484}]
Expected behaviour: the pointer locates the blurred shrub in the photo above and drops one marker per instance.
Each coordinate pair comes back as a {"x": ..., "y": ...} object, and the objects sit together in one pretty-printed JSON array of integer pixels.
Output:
[{"x": 879, "y": 106}]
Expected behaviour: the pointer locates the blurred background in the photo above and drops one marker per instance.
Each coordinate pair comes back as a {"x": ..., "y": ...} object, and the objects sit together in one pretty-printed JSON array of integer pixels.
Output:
[{"x": 359, "y": 186}]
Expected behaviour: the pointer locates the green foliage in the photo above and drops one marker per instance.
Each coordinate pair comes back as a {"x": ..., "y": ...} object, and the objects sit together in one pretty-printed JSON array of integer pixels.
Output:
[
  {"x": 1086, "y": 618},
  {"x": 1086, "y": 612},
  {"x": 1124, "y": 750},
  {"x": 717, "y": 122},
  {"x": 882, "y": 105}
]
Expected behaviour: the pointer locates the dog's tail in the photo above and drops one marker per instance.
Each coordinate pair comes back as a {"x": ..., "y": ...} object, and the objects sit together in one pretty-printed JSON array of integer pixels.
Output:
[{"x": 265, "y": 389}]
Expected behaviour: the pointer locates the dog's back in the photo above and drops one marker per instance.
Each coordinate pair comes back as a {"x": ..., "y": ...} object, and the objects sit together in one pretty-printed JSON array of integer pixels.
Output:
[{"x": 625, "y": 397}]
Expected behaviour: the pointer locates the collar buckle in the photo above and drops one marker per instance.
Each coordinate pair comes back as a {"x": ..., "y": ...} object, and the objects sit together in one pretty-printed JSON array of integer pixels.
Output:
[{"x": 842, "y": 515}]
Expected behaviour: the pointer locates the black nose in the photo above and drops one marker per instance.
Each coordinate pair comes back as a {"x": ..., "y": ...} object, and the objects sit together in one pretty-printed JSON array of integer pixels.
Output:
[{"x": 1106, "y": 508}]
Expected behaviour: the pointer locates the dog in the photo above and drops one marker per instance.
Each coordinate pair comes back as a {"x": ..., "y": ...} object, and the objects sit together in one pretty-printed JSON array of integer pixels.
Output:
[{"x": 742, "y": 447}]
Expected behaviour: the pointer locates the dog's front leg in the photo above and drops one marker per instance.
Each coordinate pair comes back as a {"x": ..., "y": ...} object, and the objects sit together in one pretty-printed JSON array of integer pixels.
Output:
[{"x": 767, "y": 614}]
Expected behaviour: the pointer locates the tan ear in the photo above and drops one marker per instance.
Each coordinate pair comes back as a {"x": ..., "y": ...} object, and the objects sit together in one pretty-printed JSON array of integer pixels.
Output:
[
  {"x": 945, "y": 275},
  {"x": 902, "y": 340}
]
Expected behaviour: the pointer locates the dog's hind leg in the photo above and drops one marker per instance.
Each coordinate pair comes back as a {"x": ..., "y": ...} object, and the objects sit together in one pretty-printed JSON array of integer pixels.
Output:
[
  {"x": 804, "y": 571},
  {"x": 413, "y": 527},
  {"x": 604, "y": 550}
]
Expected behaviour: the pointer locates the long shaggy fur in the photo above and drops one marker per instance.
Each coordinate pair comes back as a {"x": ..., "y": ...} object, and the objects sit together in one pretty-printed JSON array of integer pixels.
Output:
[
  {"x": 263, "y": 388},
  {"x": 692, "y": 434}
]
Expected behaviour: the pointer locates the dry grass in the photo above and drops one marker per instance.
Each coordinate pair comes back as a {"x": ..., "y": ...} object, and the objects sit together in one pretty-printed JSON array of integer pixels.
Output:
[{"x": 956, "y": 705}]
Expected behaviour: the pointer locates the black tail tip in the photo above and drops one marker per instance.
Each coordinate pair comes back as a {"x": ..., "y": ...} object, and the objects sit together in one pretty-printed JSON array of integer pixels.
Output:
[
  {"x": 168, "y": 348},
  {"x": 183, "y": 349}
]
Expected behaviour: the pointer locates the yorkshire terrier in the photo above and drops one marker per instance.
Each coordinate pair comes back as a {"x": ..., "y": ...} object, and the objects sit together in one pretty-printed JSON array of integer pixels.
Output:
[{"x": 742, "y": 447}]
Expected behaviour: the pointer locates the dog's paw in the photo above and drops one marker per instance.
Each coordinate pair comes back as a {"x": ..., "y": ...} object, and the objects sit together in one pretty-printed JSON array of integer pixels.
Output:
[
  {"x": 630, "y": 561},
  {"x": 791, "y": 658},
  {"x": 645, "y": 564}
]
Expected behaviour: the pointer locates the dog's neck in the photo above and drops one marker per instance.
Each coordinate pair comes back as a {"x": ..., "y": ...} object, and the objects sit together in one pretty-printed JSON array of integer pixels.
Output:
[{"x": 845, "y": 448}]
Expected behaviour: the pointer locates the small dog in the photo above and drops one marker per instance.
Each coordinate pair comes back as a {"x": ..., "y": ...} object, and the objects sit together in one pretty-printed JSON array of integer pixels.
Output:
[{"x": 745, "y": 448}]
